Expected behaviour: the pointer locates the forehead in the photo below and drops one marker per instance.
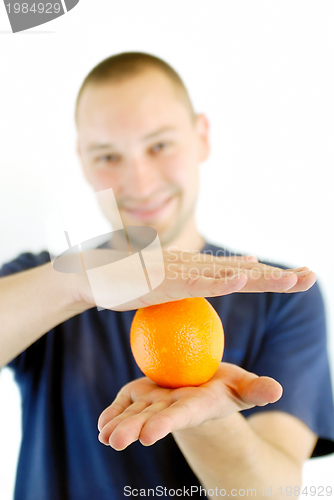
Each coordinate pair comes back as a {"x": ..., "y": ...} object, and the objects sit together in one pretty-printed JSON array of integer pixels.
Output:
[{"x": 141, "y": 102}]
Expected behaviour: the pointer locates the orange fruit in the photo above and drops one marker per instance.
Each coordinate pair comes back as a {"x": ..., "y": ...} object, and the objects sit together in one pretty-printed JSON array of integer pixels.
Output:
[{"x": 178, "y": 344}]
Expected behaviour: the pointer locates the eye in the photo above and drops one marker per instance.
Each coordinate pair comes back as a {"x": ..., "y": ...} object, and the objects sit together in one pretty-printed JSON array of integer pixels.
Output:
[
  {"x": 108, "y": 159},
  {"x": 159, "y": 147}
]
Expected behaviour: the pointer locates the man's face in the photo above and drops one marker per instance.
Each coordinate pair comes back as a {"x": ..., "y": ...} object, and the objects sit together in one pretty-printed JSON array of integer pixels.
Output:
[{"x": 137, "y": 137}]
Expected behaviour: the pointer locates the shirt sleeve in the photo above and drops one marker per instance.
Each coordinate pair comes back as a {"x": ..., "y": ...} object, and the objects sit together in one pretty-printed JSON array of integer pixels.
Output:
[
  {"x": 294, "y": 352},
  {"x": 23, "y": 262}
]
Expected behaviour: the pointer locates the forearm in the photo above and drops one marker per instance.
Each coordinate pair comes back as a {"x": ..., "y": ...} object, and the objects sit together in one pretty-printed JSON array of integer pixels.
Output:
[
  {"x": 31, "y": 303},
  {"x": 228, "y": 454}
]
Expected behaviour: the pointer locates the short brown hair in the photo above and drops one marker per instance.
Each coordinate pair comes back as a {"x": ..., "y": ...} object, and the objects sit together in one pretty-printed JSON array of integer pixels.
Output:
[{"x": 128, "y": 64}]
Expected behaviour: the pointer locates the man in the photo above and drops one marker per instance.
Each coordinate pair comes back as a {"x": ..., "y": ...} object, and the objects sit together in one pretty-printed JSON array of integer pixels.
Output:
[{"x": 138, "y": 134}]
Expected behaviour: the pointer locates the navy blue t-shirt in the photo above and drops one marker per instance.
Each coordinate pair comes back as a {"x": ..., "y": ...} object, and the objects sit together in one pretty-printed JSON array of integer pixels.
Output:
[{"x": 73, "y": 372}]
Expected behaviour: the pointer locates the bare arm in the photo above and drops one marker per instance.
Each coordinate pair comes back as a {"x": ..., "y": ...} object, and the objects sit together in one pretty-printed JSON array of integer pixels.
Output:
[
  {"x": 31, "y": 303},
  {"x": 264, "y": 452},
  {"x": 225, "y": 450}
]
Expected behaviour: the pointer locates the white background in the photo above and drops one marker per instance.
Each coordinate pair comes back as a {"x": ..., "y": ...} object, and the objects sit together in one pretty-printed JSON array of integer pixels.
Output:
[{"x": 262, "y": 71}]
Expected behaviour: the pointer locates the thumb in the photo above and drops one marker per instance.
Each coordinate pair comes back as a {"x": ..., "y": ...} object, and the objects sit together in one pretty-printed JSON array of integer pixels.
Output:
[{"x": 261, "y": 391}]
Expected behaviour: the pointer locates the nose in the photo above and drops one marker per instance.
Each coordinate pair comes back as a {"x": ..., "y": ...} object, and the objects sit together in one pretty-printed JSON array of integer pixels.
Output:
[{"x": 142, "y": 178}]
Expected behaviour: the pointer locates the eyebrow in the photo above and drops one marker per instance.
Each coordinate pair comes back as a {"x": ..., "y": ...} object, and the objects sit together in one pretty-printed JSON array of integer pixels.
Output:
[
  {"x": 98, "y": 147},
  {"x": 158, "y": 132}
]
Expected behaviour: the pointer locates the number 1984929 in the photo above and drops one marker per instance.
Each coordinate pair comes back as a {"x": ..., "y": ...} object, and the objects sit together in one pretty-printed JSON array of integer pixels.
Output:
[
  {"x": 320, "y": 491},
  {"x": 35, "y": 8}
]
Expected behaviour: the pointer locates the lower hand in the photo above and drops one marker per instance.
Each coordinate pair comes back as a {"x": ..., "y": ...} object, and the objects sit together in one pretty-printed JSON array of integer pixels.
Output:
[{"x": 146, "y": 412}]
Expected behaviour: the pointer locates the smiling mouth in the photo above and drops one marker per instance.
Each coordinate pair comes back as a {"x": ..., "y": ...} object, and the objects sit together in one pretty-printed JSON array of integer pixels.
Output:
[{"x": 149, "y": 211}]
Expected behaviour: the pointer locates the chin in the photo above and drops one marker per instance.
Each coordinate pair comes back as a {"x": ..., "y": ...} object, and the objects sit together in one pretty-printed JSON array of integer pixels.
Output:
[{"x": 161, "y": 228}]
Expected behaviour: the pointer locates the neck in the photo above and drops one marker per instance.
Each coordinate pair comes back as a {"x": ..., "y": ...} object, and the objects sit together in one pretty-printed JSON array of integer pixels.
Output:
[{"x": 189, "y": 239}]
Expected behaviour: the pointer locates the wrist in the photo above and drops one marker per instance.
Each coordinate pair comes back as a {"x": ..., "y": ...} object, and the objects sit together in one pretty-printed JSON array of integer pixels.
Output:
[
  {"x": 81, "y": 291},
  {"x": 74, "y": 288}
]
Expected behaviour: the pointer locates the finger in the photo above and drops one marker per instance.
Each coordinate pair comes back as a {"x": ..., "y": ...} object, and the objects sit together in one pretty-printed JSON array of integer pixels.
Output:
[
  {"x": 221, "y": 267},
  {"x": 269, "y": 280},
  {"x": 258, "y": 280},
  {"x": 213, "y": 264},
  {"x": 128, "y": 431},
  {"x": 121, "y": 402},
  {"x": 279, "y": 280},
  {"x": 190, "y": 285},
  {"x": 251, "y": 389},
  {"x": 306, "y": 279},
  {"x": 111, "y": 424},
  {"x": 246, "y": 388},
  {"x": 260, "y": 277},
  {"x": 179, "y": 415},
  {"x": 249, "y": 258},
  {"x": 218, "y": 271},
  {"x": 142, "y": 387},
  {"x": 262, "y": 391},
  {"x": 133, "y": 398}
]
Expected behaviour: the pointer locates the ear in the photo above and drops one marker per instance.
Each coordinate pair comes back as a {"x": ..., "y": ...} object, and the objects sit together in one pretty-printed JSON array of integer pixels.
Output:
[{"x": 202, "y": 127}]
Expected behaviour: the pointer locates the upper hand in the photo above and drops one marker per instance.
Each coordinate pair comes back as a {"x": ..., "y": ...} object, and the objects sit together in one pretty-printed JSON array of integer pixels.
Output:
[
  {"x": 143, "y": 410},
  {"x": 191, "y": 274}
]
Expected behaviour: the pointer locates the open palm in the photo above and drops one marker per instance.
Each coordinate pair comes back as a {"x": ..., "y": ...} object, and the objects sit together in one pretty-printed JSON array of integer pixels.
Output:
[{"x": 143, "y": 410}]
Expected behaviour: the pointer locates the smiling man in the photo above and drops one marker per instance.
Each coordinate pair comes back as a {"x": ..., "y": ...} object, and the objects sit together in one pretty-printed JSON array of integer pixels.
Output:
[
  {"x": 138, "y": 134},
  {"x": 140, "y": 137}
]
